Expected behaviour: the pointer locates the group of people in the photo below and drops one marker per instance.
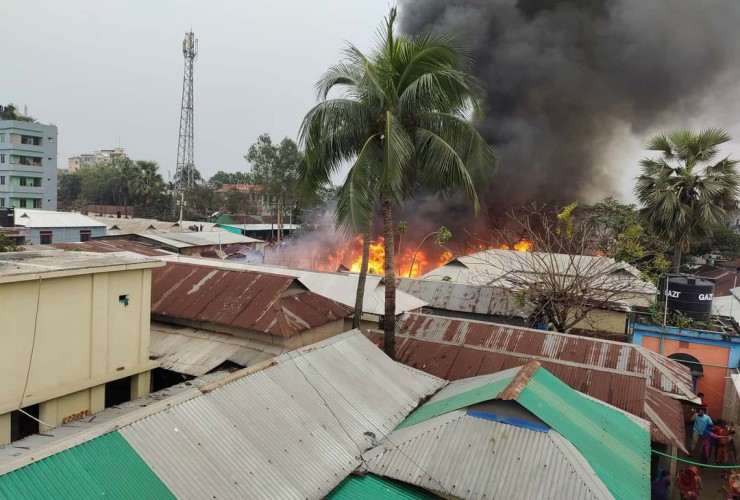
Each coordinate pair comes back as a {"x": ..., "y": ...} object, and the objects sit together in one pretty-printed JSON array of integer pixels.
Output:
[
  {"x": 707, "y": 438},
  {"x": 712, "y": 437}
]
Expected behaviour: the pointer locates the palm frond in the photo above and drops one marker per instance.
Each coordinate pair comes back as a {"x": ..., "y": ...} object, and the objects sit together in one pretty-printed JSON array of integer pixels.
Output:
[
  {"x": 398, "y": 153},
  {"x": 358, "y": 193}
]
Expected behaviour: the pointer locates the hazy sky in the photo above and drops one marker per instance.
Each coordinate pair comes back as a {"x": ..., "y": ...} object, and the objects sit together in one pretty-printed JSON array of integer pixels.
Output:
[{"x": 111, "y": 72}]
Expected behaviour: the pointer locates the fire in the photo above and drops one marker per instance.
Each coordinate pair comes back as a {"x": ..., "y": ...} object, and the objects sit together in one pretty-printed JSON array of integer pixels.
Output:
[
  {"x": 523, "y": 245},
  {"x": 350, "y": 256}
]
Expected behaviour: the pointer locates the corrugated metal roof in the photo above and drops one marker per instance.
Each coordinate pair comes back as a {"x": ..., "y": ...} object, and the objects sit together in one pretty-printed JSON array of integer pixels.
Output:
[
  {"x": 495, "y": 301},
  {"x": 615, "y": 446},
  {"x": 240, "y": 299},
  {"x": 295, "y": 429},
  {"x": 199, "y": 239},
  {"x": 662, "y": 373},
  {"x": 111, "y": 245},
  {"x": 36, "y": 218},
  {"x": 340, "y": 287},
  {"x": 370, "y": 486},
  {"x": 135, "y": 225},
  {"x": 196, "y": 352},
  {"x": 103, "y": 467},
  {"x": 467, "y": 457},
  {"x": 666, "y": 417}
]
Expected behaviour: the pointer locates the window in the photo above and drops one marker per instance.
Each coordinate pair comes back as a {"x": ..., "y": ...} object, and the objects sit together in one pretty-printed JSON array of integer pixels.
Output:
[
  {"x": 46, "y": 237},
  {"x": 36, "y": 203},
  {"x": 2, "y": 202},
  {"x": 2, "y": 180},
  {"x": 2, "y": 158},
  {"x": 85, "y": 234},
  {"x": 50, "y": 139},
  {"x": 2, "y": 137},
  {"x": 22, "y": 203}
]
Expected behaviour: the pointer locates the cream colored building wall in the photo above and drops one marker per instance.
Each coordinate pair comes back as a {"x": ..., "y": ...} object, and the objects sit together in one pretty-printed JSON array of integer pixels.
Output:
[
  {"x": 603, "y": 319},
  {"x": 84, "y": 337}
]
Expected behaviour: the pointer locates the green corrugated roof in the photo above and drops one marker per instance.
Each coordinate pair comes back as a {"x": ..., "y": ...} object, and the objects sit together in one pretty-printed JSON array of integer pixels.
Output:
[
  {"x": 371, "y": 487},
  {"x": 456, "y": 402},
  {"x": 616, "y": 447},
  {"x": 104, "y": 467}
]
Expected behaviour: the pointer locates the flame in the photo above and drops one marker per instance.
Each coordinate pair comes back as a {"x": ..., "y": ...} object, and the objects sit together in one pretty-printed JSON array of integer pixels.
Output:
[
  {"x": 350, "y": 256},
  {"x": 523, "y": 245}
]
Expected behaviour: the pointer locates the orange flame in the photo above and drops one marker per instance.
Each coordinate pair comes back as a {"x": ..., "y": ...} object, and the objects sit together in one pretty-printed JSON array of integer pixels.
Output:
[
  {"x": 350, "y": 256},
  {"x": 523, "y": 245}
]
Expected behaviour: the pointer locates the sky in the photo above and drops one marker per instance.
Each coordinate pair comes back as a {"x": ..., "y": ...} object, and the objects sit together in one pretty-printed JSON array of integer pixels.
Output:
[{"x": 110, "y": 73}]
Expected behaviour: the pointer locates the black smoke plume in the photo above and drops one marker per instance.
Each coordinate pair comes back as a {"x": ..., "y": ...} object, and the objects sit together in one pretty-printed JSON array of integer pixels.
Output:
[{"x": 563, "y": 76}]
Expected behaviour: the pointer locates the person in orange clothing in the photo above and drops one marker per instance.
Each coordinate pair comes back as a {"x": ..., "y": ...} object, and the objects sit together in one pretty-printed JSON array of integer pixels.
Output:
[{"x": 689, "y": 483}]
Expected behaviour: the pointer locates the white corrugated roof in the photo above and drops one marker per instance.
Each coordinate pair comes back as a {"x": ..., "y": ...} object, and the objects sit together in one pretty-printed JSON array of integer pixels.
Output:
[
  {"x": 262, "y": 227},
  {"x": 493, "y": 267},
  {"x": 199, "y": 239},
  {"x": 469, "y": 457},
  {"x": 197, "y": 352},
  {"x": 35, "y": 218},
  {"x": 293, "y": 430},
  {"x": 340, "y": 287}
]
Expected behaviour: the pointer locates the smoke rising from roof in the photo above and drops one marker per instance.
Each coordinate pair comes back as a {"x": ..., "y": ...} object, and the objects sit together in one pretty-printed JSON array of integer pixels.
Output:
[{"x": 563, "y": 76}]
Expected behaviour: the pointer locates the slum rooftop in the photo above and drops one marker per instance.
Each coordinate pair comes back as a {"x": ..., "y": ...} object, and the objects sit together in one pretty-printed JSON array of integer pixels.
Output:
[{"x": 23, "y": 266}]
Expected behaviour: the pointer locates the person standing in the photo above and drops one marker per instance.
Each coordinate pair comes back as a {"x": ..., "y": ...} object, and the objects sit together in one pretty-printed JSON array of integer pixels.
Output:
[
  {"x": 659, "y": 486},
  {"x": 702, "y": 424},
  {"x": 689, "y": 483}
]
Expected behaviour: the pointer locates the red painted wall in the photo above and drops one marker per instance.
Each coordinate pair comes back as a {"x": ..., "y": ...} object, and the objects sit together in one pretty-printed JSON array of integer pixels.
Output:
[{"x": 712, "y": 384}]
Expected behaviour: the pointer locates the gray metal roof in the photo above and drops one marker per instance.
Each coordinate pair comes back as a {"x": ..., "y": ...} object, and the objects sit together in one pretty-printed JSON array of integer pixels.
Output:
[
  {"x": 197, "y": 352},
  {"x": 199, "y": 239},
  {"x": 462, "y": 297},
  {"x": 468, "y": 457},
  {"x": 295, "y": 429}
]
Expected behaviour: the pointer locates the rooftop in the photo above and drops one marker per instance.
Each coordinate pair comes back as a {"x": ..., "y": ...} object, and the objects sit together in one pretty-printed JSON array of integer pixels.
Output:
[
  {"x": 262, "y": 302},
  {"x": 135, "y": 225},
  {"x": 108, "y": 245},
  {"x": 36, "y": 218},
  {"x": 33, "y": 265},
  {"x": 294, "y": 427},
  {"x": 198, "y": 239},
  {"x": 546, "y": 439}
]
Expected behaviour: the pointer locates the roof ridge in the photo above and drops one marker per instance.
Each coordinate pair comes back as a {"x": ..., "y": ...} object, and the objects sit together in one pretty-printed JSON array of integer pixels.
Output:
[{"x": 520, "y": 381}]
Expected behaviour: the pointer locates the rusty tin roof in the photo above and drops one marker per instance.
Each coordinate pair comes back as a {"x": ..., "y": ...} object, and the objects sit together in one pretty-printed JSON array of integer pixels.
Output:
[{"x": 240, "y": 299}]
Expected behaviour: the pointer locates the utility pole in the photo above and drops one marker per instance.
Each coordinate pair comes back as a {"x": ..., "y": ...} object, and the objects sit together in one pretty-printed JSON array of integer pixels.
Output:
[{"x": 181, "y": 203}]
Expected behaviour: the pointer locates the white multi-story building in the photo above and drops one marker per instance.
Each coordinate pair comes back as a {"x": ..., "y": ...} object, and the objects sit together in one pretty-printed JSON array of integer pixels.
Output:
[
  {"x": 102, "y": 157},
  {"x": 28, "y": 165}
]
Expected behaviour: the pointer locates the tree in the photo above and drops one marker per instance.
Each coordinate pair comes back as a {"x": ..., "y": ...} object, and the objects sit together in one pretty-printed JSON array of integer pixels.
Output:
[
  {"x": 7, "y": 244},
  {"x": 276, "y": 168},
  {"x": 10, "y": 112},
  {"x": 686, "y": 195},
  {"x": 565, "y": 278},
  {"x": 220, "y": 178},
  {"x": 724, "y": 241},
  {"x": 402, "y": 122},
  {"x": 148, "y": 183},
  {"x": 69, "y": 189}
]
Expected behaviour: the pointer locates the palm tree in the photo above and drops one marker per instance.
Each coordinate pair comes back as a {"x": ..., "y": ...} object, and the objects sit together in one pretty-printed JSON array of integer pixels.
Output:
[
  {"x": 401, "y": 120},
  {"x": 684, "y": 193},
  {"x": 149, "y": 182}
]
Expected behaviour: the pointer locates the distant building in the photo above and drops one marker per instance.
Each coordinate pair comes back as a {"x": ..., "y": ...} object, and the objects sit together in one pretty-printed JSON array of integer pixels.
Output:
[
  {"x": 75, "y": 336},
  {"x": 28, "y": 165},
  {"x": 102, "y": 157},
  {"x": 259, "y": 200},
  {"x": 46, "y": 227}
]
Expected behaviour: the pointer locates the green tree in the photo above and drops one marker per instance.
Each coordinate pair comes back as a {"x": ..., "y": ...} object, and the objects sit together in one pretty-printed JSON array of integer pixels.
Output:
[
  {"x": 401, "y": 120},
  {"x": 685, "y": 194},
  {"x": 220, "y": 178},
  {"x": 148, "y": 183},
  {"x": 276, "y": 168},
  {"x": 7, "y": 244},
  {"x": 724, "y": 241},
  {"x": 69, "y": 189}
]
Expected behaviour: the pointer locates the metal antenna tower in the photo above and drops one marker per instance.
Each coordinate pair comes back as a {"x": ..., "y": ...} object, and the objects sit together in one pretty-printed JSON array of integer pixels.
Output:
[{"x": 185, "y": 173}]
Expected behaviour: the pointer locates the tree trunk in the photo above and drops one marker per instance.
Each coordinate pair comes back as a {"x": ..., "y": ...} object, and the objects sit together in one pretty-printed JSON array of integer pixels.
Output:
[
  {"x": 676, "y": 262},
  {"x": 363, "y": 278},
  {"x": 389, "y": 319}
]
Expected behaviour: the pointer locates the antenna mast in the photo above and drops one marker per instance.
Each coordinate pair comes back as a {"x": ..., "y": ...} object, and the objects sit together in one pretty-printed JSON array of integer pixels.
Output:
[{"x": 185, "y": 173}]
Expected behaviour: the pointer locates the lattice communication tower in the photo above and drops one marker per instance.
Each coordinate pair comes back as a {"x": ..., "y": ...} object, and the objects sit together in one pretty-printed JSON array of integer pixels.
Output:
[{"x": 185, "y": 173}]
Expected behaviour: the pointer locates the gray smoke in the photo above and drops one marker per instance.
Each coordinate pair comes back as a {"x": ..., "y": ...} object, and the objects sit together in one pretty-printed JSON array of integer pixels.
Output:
[{"x": 563, "y": 76}]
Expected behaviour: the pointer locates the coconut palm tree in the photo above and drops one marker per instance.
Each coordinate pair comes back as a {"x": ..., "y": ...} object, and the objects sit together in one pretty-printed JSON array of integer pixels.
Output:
[
  {"x": 149, "y": 182},
  {"x": 685, "y": 193},
  {"x": 401, "y": 119}
]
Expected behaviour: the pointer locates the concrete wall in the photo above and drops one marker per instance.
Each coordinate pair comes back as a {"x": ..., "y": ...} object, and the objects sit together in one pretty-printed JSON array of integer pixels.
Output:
[
  {"x": 47, "y": 151},
  {"x": 65, "y": 234},
  {"x": 604, "y": 320},
  {"x": 71, "y": 334},
  {"x": 718, "y": 353}
]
